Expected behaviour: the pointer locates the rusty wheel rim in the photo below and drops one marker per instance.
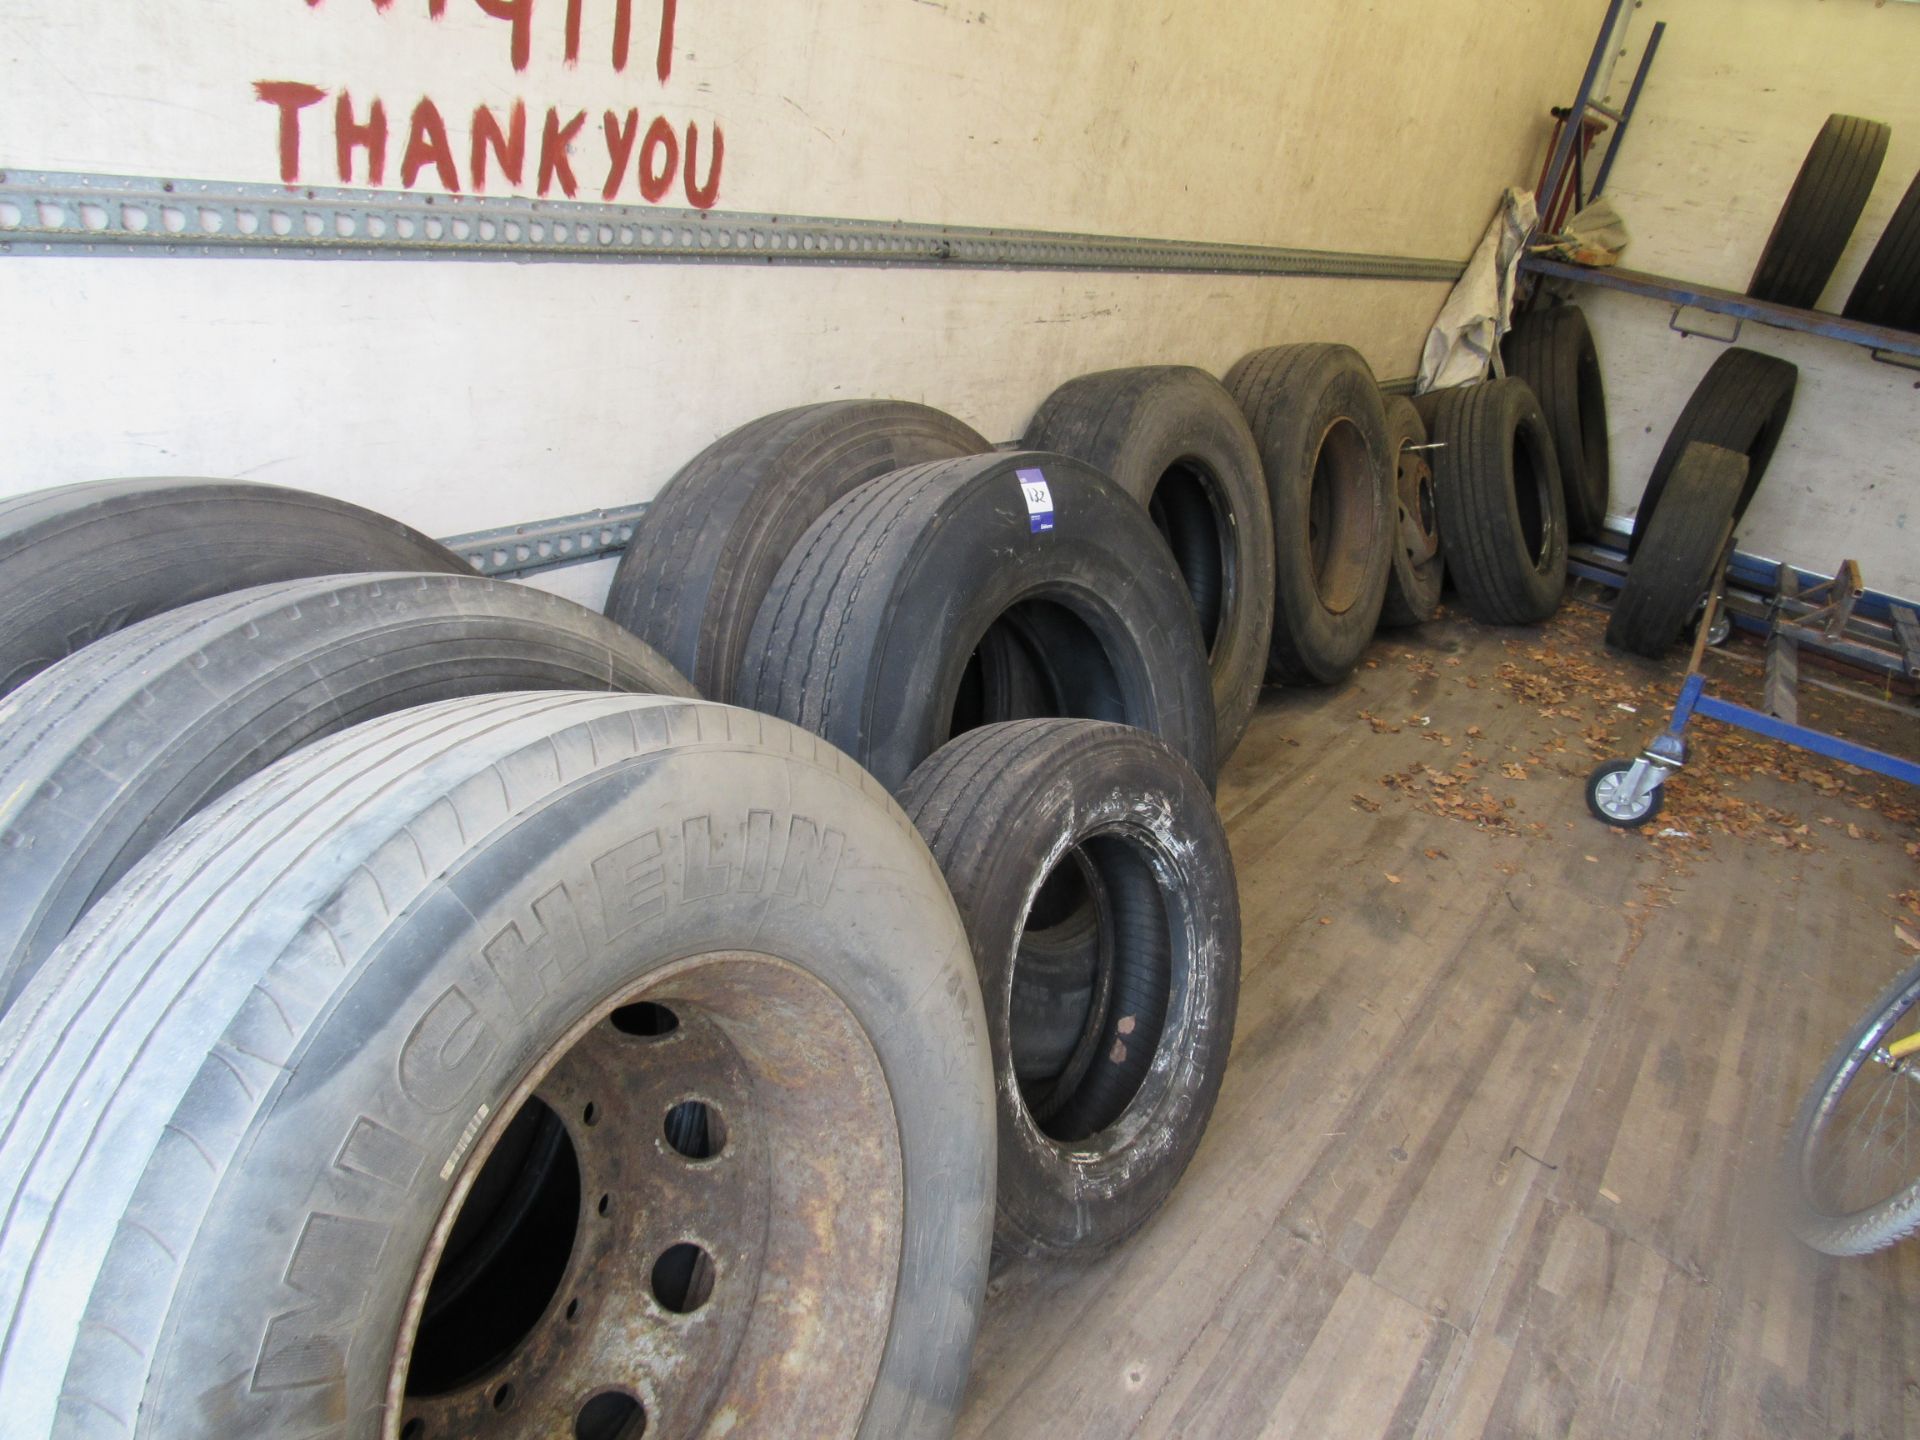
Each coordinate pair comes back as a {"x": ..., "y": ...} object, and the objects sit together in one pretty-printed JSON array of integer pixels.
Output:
[
  {"x": 687, "y": 1216},
  {"x": 1419, "y": 517}
]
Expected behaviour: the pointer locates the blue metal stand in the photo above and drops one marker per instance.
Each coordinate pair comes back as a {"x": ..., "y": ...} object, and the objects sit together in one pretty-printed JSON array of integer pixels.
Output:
[
  {"x": 1695, "y": 701},
  {"x": 1628, "y": 793}
]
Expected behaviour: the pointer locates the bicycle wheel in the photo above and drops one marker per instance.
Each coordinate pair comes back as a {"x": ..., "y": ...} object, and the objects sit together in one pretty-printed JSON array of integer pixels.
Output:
[{"x": 1855, "y": 1149}]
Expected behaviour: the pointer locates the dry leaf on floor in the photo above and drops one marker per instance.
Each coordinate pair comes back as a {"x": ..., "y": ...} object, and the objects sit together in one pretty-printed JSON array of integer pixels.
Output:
[{"x": 1395, "y": 880}]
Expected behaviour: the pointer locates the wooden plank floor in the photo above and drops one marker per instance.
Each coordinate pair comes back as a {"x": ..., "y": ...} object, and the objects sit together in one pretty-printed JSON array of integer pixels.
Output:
[{"x": 1492, "y": 1156}]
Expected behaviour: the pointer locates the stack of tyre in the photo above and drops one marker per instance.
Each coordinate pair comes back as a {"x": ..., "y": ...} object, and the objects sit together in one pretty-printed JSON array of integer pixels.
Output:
[{"x": 426, "y": 1016}]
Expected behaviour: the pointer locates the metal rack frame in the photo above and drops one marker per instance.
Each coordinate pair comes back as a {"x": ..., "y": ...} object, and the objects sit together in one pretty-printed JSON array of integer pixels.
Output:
[{"x": 1627, "y": 794}]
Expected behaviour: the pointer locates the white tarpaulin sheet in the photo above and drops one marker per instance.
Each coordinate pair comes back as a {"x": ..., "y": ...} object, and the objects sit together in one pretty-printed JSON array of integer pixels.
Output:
[{"x": 1462, "y": 342}]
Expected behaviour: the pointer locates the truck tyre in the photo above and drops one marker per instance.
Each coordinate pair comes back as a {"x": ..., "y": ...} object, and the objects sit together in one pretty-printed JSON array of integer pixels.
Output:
[
  {"x": 1888, "y": 290},
  {"x": 106, "y": 753},
  {"x": 711, "y": 542},
  {"x": 335, "y": 1120},
  {"x": 81, "y": 561},
  {"x": 1004, "y": 808},
  {"x": 873, "y": 623},
  {"x": 1820, "y": 211},
  {"x": 1173, "y": 438},
  {"x": 1502, "y": 518},
  {"x": 1552, "y": 350},
  {"x": 1419, "y": 569},
  {"x": 1681, "y": 553},
  {"x": 1741, "y": 404},
  {"x": 1322, "y": 430}
]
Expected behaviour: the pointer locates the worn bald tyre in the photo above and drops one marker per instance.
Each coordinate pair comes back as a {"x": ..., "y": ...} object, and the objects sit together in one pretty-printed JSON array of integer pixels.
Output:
[
  {"x": 104, "y": 754},
  {"x": 81, "y": 561},
  {"x": 1888, "y": 290},
  {"x": 1503, "y": 521},
  {"x": 1088, "y": 1155},
  {"x": 1820, "y": 211},
  {"x": 1419, "y": 567},
  {"x": 522, "y": 1065},
  {"x": 1740, "y": 404},
  {"x": 1174, "y": 439},
  {"x": 1681, "y": 553},
  {"x": 877, "y": 632},
  {"x": 1322, "y": 430},
  {"x": 711, "y": 542},
  {"x": 1552, "y": 350}
]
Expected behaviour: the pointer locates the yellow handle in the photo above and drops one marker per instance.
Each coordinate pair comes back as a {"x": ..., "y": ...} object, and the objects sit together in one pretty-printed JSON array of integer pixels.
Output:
[{"x": 1900, "y": 1049}]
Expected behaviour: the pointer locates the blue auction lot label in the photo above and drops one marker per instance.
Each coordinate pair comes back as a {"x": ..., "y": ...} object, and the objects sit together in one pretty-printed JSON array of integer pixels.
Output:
[{"x": 1033, "y": 487}]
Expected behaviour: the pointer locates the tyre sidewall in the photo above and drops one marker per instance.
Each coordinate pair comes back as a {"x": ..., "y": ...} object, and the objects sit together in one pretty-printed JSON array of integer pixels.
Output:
[
  {"x": 424, "y": 985},
  {"x": 1091, "y": 1194},
  {"x": 1325, "y": 644},
  {"x": 1168, "y": 416},
  {"x": 976, "y": 558}
]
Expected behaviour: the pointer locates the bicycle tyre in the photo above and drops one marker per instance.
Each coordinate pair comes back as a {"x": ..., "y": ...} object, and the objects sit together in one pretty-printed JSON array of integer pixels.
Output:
[{"x": 1876, "y": 1226}]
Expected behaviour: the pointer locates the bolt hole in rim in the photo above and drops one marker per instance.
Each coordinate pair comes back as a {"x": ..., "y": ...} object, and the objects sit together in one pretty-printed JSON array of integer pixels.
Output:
[
  {"x": 562, "y": 1293},
  {"x": 1340, "y": 516},
  {"x": 611, "y": 1415}
]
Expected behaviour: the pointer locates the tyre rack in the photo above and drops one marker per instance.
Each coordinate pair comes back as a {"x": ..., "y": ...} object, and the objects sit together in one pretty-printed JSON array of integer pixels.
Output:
[
  {"x": 1890, "y": 346},
  {"x": 1627, "y": 793}
]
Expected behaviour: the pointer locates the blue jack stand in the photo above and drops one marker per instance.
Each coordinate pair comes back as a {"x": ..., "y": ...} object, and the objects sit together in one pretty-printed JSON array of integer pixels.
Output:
[{"x": 1628, "y": 793}]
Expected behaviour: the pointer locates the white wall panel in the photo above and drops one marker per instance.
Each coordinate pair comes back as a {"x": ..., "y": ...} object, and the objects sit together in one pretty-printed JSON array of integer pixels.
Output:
[
  {"x": 463, "y": 395},
  {"x": 1738, "y": 91}
]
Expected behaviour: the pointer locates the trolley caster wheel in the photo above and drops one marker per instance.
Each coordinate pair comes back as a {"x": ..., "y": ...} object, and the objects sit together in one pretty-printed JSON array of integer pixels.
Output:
[
  {"x": 1613, "y": 804},
  {"x": 1720, "y": 629}
]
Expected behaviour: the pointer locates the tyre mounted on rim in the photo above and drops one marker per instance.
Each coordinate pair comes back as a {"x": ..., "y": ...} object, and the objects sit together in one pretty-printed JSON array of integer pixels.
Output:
[
  {"x": 1419, "y": 566},
  {"x": 401, "y": 1093}
]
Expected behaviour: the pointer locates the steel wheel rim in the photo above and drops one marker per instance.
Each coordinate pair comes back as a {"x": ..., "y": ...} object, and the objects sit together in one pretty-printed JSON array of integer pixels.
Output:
[
  {"x": 1873, "y": 1106},
  {"x": 1419, "y": 516},
  {"x": 739, "y": 1209}
]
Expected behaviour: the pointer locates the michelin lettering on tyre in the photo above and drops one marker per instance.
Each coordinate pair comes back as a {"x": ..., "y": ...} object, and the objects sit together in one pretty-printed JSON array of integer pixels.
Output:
[{"x": 1033, "y": 487}]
